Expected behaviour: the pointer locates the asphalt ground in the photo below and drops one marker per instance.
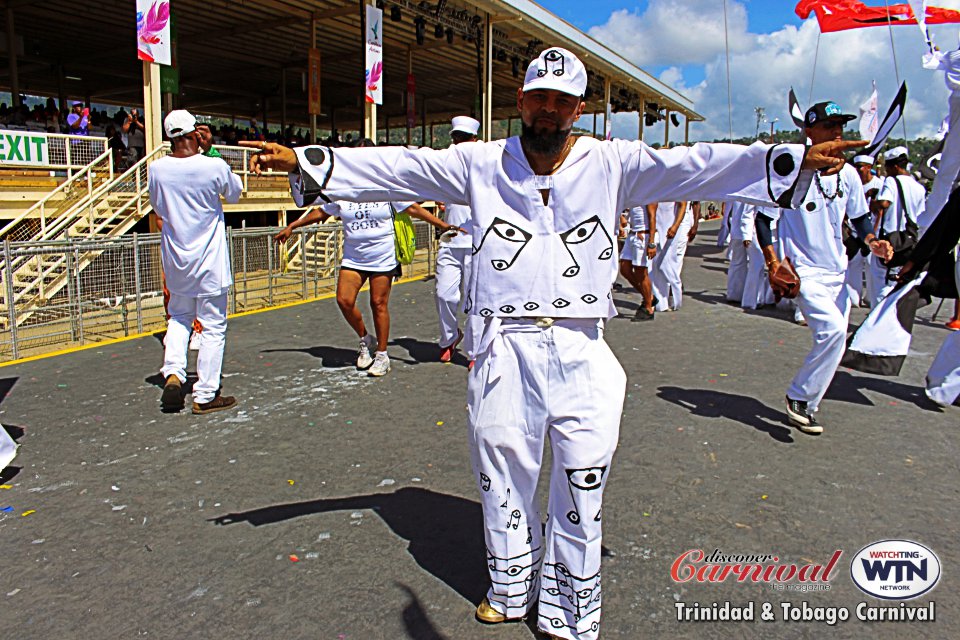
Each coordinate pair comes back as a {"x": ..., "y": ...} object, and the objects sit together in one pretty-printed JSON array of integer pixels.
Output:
[{"x": 334, "y": 506}]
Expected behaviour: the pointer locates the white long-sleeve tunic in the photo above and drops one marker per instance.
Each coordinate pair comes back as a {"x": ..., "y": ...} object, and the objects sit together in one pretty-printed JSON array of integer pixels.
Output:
[{"x": 555, "y": 259}]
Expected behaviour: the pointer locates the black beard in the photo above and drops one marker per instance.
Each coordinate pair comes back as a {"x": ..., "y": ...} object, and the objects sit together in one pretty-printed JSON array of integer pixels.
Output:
[{"x": 544, "y": 144}]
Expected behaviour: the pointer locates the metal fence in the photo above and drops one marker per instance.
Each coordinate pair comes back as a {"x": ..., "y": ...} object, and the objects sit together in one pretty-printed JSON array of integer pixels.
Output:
[
  {"x": 64, "y": 152},
  {"x": 115, "y": 286}
]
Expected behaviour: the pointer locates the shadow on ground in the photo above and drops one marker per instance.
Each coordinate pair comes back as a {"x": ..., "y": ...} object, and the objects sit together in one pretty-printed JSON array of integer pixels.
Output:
[
  {"x": 847, "y": 387},
  {"x": 741, "y": 409},
  {"x": 445, "y": 532}
]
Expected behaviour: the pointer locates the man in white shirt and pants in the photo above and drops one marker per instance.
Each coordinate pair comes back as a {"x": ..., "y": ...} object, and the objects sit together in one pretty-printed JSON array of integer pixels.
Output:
[
  {"x": 675, "y": 228},
  {"x": 546, "y": 209},
  {"x": 899, "y": 203},
  {"x": 756, "y": 287},
  {"x": 453, "y": 265},
  {"x": 859, "y": 264},
  {"x": 812, "y": 238},
  {"x": 185, "y": 190},
  {"x": 737, "y": 267}
]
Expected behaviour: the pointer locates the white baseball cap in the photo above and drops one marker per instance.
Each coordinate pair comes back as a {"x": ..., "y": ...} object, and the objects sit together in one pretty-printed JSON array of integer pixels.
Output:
[
  {"x": 465, "y": 124},
  {"x": 864, "y": 159},
  {"x": 896, "y": 152},
  {"x": 179, "y": 122},
  {"x": 557, "y": 69}
]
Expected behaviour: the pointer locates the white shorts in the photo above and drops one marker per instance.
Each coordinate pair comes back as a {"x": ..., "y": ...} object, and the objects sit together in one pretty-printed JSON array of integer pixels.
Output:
[{"x": 635, "y": 250}]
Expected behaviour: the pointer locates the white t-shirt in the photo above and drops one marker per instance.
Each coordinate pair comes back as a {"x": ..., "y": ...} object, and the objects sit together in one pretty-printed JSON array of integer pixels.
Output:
[
  {"x": 459, "y": 215},
  {"x": 637, "y": 218},
  {"x": 368, "y": 240},
  {"x": 736, "y": 210},
  {"x": 185, "y": 193},
  {"x": 666, "y": 214},
  {"x": 812, "y": 235},
  {"x": 874, "y": 183},
  {"x": 914, "y": 195}
]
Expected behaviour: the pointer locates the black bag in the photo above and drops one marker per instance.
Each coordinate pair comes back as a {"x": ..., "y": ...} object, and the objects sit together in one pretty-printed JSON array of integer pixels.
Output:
[{"x": 905, "y": 241}]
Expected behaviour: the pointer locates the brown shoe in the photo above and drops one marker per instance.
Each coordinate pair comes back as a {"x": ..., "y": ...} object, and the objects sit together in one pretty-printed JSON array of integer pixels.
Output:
[
  {"x": 220, "y": 403},
  {"x": 172, "y": 397}
]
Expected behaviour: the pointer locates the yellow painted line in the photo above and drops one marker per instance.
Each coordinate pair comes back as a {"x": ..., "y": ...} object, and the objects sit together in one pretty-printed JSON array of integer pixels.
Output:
[{"x": 137, "y": 336}]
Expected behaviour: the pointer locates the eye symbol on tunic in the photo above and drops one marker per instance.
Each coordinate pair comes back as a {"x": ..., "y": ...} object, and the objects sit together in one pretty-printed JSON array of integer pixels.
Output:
[
  {"x": 504, "y": 245},
  {"x": 584, "y": 240},
  {"x": 582, "y": 232},
  {"x": 510, "y": 232},
  {"x": 514, "y": 570}
]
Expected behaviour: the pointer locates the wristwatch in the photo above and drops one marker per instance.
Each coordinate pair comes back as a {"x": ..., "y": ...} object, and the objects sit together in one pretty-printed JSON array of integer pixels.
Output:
[{"x": 651, "y": 245}]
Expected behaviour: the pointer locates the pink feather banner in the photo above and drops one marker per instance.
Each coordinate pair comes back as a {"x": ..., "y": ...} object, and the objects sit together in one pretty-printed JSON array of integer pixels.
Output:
[{"x": 153, "y": 31}]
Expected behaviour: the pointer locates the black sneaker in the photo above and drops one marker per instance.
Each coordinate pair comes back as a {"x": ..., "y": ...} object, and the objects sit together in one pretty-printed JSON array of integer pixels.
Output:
[
  {"x": 814, "y": 427},
  {"x": 803, "y": 419},
  {"x": 642, "y": 314},
  {"x": 172, "y": 398},
  {"x": 797, "y": 412}
]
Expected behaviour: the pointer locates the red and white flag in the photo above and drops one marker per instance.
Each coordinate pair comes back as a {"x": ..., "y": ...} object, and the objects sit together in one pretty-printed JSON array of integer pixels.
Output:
[{"x": 839, "y": 15}]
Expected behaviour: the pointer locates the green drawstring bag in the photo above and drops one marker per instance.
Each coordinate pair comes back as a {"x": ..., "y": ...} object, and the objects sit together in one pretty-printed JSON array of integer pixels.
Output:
[{"x": 405, "y": 237}]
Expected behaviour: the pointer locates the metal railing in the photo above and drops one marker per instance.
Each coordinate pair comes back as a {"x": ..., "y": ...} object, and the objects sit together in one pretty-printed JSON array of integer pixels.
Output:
[
  {"x": 32, "y": 223},
  {"x": 64, "y": 152},
  {"x": 112, "y": 286}
]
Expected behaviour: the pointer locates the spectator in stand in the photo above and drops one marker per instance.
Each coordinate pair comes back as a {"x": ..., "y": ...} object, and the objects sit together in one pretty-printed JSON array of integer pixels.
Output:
[
  {"x": 78, "y": 121},
  {"x": 118, "y": 149},
  {"x": 136, "y": 136},
  {"x": 51, "y": 112}
]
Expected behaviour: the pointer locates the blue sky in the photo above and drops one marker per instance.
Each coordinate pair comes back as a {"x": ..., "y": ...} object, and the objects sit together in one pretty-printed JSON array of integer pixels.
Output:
[
  {"x": 681, "y": 42},
  {"x": 763, "y": 16}
]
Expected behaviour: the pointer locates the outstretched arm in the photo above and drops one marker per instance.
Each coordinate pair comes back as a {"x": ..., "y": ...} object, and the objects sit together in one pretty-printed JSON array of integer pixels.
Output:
[
  {"x": 416, "y": 211},
  {"x": 314, "y": 215},
  {"x": 759, "y": 174},
  {"x": 368, "y": 174}
]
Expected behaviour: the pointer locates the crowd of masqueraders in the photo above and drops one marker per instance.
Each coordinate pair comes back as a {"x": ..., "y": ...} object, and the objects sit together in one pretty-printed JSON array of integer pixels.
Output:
[{"x": 529, "y": 253}]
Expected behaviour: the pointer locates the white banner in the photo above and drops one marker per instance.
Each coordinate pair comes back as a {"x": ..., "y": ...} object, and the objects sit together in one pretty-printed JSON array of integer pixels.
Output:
[
  {"x": 153, "y": 31},
  {"x": 24, "y": 148},
  {"x": 869, "y": 116},
  {"x": 374, "y": 66}
]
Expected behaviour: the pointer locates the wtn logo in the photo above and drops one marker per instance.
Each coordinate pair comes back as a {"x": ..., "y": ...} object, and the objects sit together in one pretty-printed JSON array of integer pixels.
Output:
[
  {"x": 904, "y": 569},
  {"x": 895, "y": 569}
]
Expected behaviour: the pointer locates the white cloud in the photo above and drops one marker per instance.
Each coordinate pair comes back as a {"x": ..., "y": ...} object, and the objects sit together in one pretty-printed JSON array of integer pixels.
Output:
[
  {"x": 674, "y": 31},
  {"x": 764, "y": 66}
]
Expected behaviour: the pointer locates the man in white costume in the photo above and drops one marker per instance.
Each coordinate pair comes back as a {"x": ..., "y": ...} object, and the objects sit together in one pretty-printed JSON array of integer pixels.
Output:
[
  {"x": 858, "y": 264},
  {"x": 676, "y": 228},
  {"x": 898, "y": 204},
  {"x": 639, "y": 250},
  {"x": 737, "y": 267},
  {"x": 185, "y": 190},
  {"x": 756, "y": 287},
  {"x": 723, "y": 235},
  {"x": 546, "y": 209},
  {"x": 453, "y": 265},
  {"x": 812, "y": 238}
]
